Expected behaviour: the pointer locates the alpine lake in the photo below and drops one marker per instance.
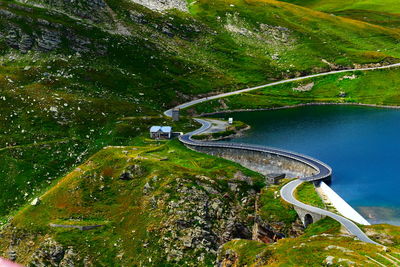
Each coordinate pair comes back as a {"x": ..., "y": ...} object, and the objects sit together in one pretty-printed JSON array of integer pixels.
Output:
[{"x": 361, "y": 144}]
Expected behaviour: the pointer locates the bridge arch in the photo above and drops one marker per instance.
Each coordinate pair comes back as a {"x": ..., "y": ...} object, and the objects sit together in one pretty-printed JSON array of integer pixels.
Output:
[{"x": 308, "y": 219}]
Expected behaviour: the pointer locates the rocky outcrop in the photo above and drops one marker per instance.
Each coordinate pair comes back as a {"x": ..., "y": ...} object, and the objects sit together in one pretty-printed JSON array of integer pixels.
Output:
[
  {"x": 231, "y": 258},
  {"x": 50, "y": 40},
  {"x": 132, "y": 172},
  {"x": 199, "y": 214},
  {"x": 94, "y": 10},
  {"x": 228, "y": 258},
  {"x": 49, "y": 254},
  {"x": 26, "y": 33},
  {"x": 203, "y": 218},
  {"x": 162, "y": 5},
  {"x": 263, "y": 232},
  {"x": 304, "y": 88}
]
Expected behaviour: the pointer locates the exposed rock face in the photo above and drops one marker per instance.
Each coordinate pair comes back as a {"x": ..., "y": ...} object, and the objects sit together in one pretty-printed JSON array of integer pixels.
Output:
[
  {"x": 12, "y": 255},
  {"x": 45, "y": 40},
  {"x": 49, "y": 254},
  {"x": 202, "y": 220},
  {"x": 42, "y": 35},
  {"x": 50, "y": 40},
  {"x": 304, "y": 88},
  {"x": 263, "y": 232},
  {"x": 162, "y": 5},
  {"x": 94, "y": 10},
  {"x": 230, "y": 258},
  {"x": 70, "y": 258},
  {"x": 133, "y": 171},
  {"x": 277, "y": 37}
]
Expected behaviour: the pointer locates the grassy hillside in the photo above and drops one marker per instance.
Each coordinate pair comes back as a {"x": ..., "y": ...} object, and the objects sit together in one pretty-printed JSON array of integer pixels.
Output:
[
  {"x": 307, "y": 194},
  {"x": 390, "y": 6},
  {"x": 77, "y": 78},
  {"x": 385, "y": 13},
  {"x": 321, "y": 245},
  {"x": 171, "y": 209},
  {"x": 67, "y": 77},
  {"x": 173, "y": 206},
  {"x": 372, "y": 87},
  {"x": 279, "y": 215}
]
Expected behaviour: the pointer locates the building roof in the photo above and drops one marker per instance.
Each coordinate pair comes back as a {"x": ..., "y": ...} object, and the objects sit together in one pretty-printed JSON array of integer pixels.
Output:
[{"x": 164, "y": 129}]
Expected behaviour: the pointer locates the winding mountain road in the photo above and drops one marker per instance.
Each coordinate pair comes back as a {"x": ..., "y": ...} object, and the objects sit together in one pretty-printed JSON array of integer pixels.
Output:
[
  {"x": 322, "y": 170},
  {"x": 205, "y": 99},
  {"x": 287, "y": 193}
]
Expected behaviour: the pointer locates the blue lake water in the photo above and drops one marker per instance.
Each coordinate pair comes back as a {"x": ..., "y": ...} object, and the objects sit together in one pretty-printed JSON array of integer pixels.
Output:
[{"x": 361, "y": 144}]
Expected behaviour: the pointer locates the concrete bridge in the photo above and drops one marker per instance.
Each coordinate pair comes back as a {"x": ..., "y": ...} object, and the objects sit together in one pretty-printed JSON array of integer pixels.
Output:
[{"x": 307, "y": 217}]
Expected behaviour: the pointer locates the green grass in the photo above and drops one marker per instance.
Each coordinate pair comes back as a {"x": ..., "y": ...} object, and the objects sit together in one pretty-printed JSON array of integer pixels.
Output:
[
  {"x": 384, "y": 13},
  {"x": 149, "y": 71},
  {"x": 92, "y": 194},
  {"x": 60, "y": 108},
  {"x": 390, "y": 6},
  {"x": 306, "y": 193},
  {"x": 274, "y": 210},
  {"x": 320, "y": 240},
  {"x": 326, "y": 225},
  {"x": 247, "y": 253},
  {"x": 377, "y": 87},
  {"x": 384, "y": 234}
]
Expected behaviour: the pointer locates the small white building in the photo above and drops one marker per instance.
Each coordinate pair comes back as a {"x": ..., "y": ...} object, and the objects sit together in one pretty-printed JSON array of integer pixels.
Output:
[
  {"x": 161, "y": 132},
  {"x": 230, "y": 120}
]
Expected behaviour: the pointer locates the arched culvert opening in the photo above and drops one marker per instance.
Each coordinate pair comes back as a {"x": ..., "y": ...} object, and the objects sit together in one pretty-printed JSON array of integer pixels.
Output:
[{"x": 308, "y": 220}]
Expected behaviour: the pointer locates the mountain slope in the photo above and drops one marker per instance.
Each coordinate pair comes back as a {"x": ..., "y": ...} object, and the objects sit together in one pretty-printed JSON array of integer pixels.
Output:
[
  {"x": 75, "y": 78},
  {"x": 155, "y": 205},
  {"x": 68, "y": 76},
  {"x": 389, "y": 6},
  {"x": 385, "y": 13}
]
